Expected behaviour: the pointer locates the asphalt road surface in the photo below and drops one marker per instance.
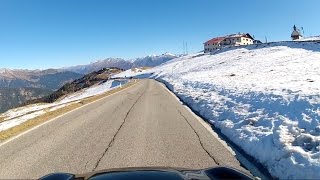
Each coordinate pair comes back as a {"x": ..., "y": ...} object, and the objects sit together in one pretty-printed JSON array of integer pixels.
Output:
[{"x": 143, "y": 125}]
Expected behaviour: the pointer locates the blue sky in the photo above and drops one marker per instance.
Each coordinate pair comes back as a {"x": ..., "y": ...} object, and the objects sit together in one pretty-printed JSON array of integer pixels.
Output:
[{"x": 56, "y": 33}]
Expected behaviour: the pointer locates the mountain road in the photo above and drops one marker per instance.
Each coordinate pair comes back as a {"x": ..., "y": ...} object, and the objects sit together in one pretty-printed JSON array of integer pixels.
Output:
[{"x": 144, "y": 125}]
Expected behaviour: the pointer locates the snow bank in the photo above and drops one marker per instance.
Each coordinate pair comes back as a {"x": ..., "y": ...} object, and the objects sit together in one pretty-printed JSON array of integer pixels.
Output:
[
  {"x": 16, "y": 121},
  {"x": 312, "y": 38},
  {"x": 265, "y": 98},
  {"x": 20, "y": 115},
  {"x": 13, "y": 113}
]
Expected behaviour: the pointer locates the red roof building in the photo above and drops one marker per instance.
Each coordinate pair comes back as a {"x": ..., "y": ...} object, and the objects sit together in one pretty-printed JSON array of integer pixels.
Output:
[
  {"x": 215, "y": 40},
  {"x": 227, "y": 41}
]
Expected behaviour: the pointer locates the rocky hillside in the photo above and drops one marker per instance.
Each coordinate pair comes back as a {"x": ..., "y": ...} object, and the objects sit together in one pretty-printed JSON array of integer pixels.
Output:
[
  {"x": 13, "y": 97},
  {"x": 86, "y": 81}
]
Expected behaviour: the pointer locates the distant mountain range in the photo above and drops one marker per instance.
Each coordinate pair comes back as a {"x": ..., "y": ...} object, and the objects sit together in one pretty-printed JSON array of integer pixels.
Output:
[
  {"x": 49, "y": 79},
  {"x": 95, "y": 66},
  {"x": 18, "y": 85},
  {"x": 150, "y": 61}
]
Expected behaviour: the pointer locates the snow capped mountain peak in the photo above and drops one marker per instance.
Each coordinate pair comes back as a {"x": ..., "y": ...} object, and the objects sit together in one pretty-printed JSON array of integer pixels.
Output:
[
  {"x": 153, "y": 60},
  {"x": 4, "y": 70},
  {"x": 159, "y": 56},
  {"x": 168, "y": 54}
]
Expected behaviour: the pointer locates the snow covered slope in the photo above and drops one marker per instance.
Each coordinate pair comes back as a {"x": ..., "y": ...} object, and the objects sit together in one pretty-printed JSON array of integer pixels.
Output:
[
  {"x": 265, "y": 98},
  {"x": 312, "y": 38}
]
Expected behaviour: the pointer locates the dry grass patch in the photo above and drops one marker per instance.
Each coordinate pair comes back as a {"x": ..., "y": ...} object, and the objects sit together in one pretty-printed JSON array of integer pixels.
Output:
[
  {"x": 2, "y": 119},
  {"x": 145, "y": 68},
  {"x": 52, "y": 114}
]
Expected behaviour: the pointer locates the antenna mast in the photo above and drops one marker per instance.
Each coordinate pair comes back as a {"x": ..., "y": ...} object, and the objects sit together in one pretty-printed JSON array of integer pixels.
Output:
[
  {"x": 302, "y": 31},
  {"x": 187, "y": 48},
  {"x": 183, "y": 48},
  {"x": 266, "y": 39}
]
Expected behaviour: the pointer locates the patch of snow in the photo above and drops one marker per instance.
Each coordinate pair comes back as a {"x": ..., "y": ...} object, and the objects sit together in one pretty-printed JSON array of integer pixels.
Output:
[
  {"x": 14, "y": 122},
  {"x": 265, "y": 98},
  {"x": 13, "y": 113}
]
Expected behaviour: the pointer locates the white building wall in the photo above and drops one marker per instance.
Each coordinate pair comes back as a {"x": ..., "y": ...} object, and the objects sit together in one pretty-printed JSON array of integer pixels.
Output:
[{"x": 246, "y": 41}]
